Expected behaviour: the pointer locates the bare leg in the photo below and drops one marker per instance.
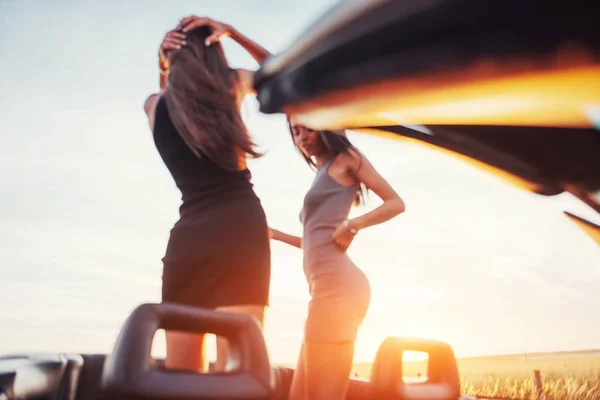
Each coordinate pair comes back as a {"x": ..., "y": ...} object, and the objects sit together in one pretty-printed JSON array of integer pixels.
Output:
[
  {"x": 258, "y": 312},
  {"x": 185, "y": 351},
  {"x": 327, "y": 370}
]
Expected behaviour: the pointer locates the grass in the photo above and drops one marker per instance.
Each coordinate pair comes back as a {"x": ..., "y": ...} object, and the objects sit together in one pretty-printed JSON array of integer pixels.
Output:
[{"x": 564, "y": 377}]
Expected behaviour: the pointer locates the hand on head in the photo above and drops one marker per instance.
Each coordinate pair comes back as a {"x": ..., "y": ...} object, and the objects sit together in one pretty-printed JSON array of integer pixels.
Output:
[
  {"x": 173, "y": 40},
  {"x": 217, "y": 28},
  {"x": 176, "y": 38}
]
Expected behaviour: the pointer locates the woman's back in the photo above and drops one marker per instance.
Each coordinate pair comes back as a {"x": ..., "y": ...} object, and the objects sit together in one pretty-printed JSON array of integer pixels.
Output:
[
  {"x": 201, "y": 181},
  {"x": 220, "y": 212},
  {"x": 218, "y": 252}
]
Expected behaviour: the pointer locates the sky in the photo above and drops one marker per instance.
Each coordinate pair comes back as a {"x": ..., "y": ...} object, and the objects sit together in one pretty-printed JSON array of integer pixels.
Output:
[{"x": 86, "y": 203}]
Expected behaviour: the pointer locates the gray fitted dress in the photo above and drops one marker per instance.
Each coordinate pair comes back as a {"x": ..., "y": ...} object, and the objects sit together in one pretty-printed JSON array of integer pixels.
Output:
[{"x": 340, "y": 291}]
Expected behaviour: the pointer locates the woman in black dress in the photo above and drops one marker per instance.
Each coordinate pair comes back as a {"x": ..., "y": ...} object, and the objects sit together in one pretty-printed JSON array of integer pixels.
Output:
[{"x": 218, "y": 254}]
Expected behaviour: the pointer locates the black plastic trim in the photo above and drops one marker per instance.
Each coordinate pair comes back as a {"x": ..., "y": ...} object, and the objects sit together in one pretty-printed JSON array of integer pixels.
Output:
[{"x": 449, "y": 35}]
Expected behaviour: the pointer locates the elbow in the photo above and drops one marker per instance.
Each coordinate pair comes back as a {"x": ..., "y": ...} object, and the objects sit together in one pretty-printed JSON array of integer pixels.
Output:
[{"x": 399, "y": 206}]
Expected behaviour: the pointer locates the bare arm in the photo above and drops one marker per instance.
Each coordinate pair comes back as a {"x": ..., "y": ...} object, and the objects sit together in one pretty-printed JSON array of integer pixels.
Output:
[
  {"x": 163, "y": 68},
  {"x": 392, "y": 203},
  {"x": 173, "y": 40},
  {"x": 257, "y": 52},
  {"x": 246, "y": 80},
  {"x": 362, "y": 170},
  {"x": 292, "y": 240},
  {"x": 219, "y": 30},
  {"x": 150, "y": 107}
]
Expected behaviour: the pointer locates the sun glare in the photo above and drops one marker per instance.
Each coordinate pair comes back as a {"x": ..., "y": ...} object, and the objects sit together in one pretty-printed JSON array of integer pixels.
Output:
[{"x": 558, "y": 97}]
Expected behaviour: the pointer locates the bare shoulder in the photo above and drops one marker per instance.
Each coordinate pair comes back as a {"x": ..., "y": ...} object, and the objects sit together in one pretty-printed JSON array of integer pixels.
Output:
[
  {"x": 352, "y": 160},
  {"x": 246, "y": 81},
  {"x": 150, "y": 103},
  {"x": 150, "y": 108},
  {"x": 245, "y": 75}
]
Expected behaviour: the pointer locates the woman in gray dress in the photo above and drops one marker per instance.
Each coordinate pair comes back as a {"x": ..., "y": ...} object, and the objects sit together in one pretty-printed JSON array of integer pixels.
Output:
[{"x": 340, "y": 292}]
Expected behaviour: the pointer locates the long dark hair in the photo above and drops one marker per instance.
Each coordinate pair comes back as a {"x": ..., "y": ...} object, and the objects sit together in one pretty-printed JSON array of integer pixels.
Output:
[
  {"x": 336, "y": 142},
  {"x": 201, "y": 98}
]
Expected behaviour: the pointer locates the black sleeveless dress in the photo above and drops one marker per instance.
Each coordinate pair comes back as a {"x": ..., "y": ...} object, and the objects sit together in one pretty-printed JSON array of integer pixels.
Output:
[{"x": 218, "y": 252}]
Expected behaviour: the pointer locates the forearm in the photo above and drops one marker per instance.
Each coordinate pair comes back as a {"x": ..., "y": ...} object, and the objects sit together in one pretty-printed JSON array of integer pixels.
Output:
[
  {"x": 388, "y": 210},
  {"x": 292, "y": 240},
  {"x": 162, "y": 81},
  {"x": 254, "y": 49},
  {"x": 163, "y": 68}
]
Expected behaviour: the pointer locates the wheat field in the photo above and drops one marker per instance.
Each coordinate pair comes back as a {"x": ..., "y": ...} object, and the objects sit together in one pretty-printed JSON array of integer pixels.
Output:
[{"x": 511, "y": 377}]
